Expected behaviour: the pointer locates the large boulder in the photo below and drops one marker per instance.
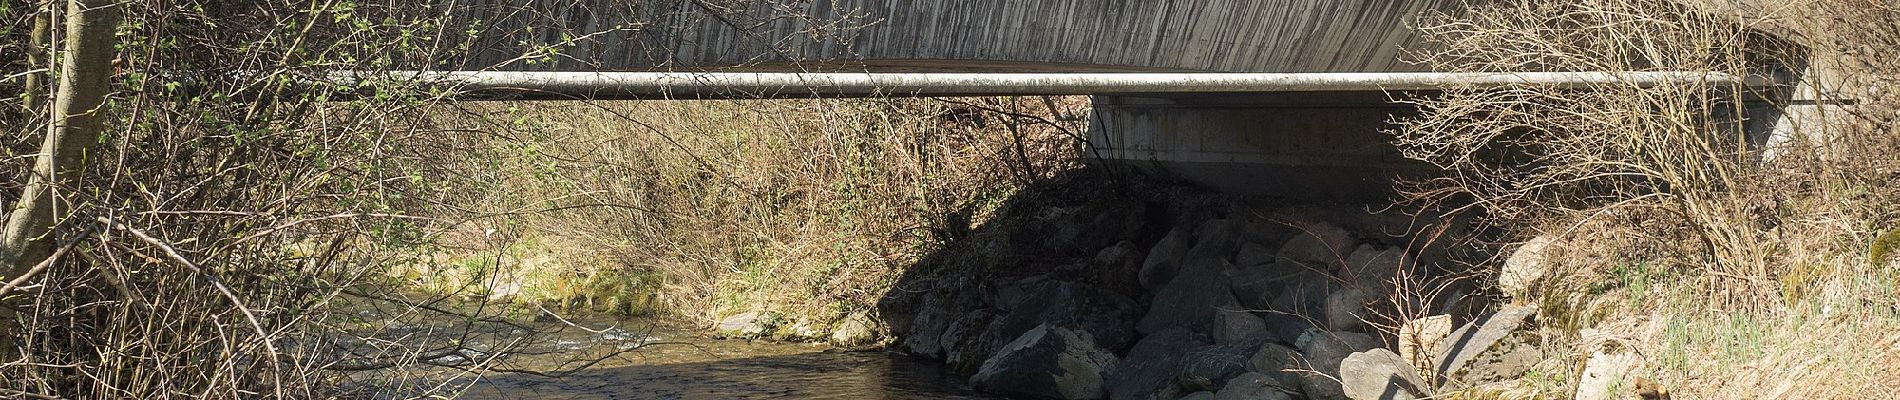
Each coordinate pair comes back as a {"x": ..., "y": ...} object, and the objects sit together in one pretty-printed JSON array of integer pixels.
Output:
[
  {"x": 1148, "y": 372},
  {"x": 1118, "y": 269},
  {"x": 1604, "y": 373},
  {"x": 1420, "y": 337},
  {"x": 1254, "y": 255},
  {"x": 1379, "y": 374},
  {"x": 856, "y": 330},
  {"x": 750, "y": 324},
  {"x": 1324, "y": 351},
  {"x": 1253, "y": 386},
  {"x": 1191, "y": 299},
  {"x": 1049, "y": 362},
  {"x": 1348, "y": 309},
  {"x": 1319, "y": 244},
  {"x": 1257, "y": 285},
  {"x": 1164, "y": 259},
  {"x": 1218, "y": 239},
  {"x": 926, "y": 328},
  {"x": 963, "y": 348},
  {"x": 1373, "y": 268},
  {"x": 1496, "y": 347},
  {"x": 1234, "y": 325},
  {"x": 1210, "y": 367},
  {"x": 1108, "y": 318},
  {"x": 1525, "y": 267},
  {"x": 1284, "y": 365}
]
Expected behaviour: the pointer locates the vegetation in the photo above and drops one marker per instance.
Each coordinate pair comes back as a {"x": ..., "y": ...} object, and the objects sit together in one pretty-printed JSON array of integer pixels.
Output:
[{"x": 1737, "y": 268}]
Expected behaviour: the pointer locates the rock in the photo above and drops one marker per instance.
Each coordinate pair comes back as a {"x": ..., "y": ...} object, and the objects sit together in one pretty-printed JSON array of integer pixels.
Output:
[
  {"x": 1252, "y": 386},
  {"x": 1524, "y": 268},
  {"x": 799, "y": 331},
  {"x": 1009, "y": 294},
  {"x": 1118, "y": 269},
  {"x": 961, "y": 341},
  {"x": 1286, "y": 329},
  {"x": 1324, "y": 351},
  {"x": 750, "y": 324},
  {"x": 1373, "y": 269},
  {"x": 856, "y": 330},
  {"x": 1190, "y": 300},
  {"x": 1285, "y": 366},
  {"x": 1605, "y": 373},
  {"x": 1419, "y": 337},
  {"x": 1233, "y": 325},
  {"x": 1254, "y": 255},
  {"x": 1218, "y": 239},
  {"x": 1379, "y": 374},
  {"x": 1346, "y": 310},
  {"x": 1050, "y": 362},
  {"x": 1210, "y": 367},
  {"x": 926, "y": 328},
  {"x": 1493, "y": 348},
  {"x": 1164, "y": 259},
  {"x": 1199, "y": 396},
  {"x": 1305, "y": 297},
  {"x": 1148, "y": 372},
  {"x": 1107, "y": 318},
  {"x": 1319, "y": 245},
  {"x": 1257, "y": 286}
]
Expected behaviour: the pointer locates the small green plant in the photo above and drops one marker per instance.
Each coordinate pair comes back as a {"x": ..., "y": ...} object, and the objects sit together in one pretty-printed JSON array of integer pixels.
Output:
[{"x": 1881, "y": 252}]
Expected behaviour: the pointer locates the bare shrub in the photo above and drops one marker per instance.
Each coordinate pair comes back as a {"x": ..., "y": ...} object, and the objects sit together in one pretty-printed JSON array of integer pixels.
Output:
[
  {"x": 809, "y": 207},
  {"x": 1528, "y": 154}
]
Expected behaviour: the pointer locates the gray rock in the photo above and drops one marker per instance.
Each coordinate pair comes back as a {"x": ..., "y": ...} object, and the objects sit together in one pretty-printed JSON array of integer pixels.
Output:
[
  {"x": 961, "y": 341},
  {"x": 1210, "y": 367},
  {"x": 1373, "y": 269},
  {"x": 926, "y": 328},
  {"x": 1257, "y": 286},
  {"x": 1190, "y": 300},
  {"x": 1305, "y": 296},
  {"x": 1049, "y": 362},
  {"x": 1495, "y": 347},
  {"x": 1286, "y": 329},
  {"x": 1379, "y": 374},
  {"x": 1324, "y": 351},
  {"x": 856, "y": 330},
  {"x": 1284, "y": 365},
  {"x": 1148, "y": 372},
  {"x": 1525, "y": 267},
  {"x": 750, "y": 324},
  {"x": 1107, "y": 318},
  {"x": 1346, "y": 310},
  {"x": 1011, "y": 293},
  {"x": 1253, "y": 386},
  {"x": 1165, "y": 258},
  {"x": 1233, "y": 325},
  {"x": 1118, "y": 269},
  {"x": 1319, "y": 244},
  {"x": 1254, "y": 255},
  {"x": 1218, "y": 239},
  {"x": 1199, "y": 396},
  {"x": 1605, "y": 372}
]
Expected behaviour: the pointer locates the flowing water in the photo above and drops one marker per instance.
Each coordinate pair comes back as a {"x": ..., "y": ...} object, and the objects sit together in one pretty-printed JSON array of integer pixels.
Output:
[{"x": 658, "y": 362}]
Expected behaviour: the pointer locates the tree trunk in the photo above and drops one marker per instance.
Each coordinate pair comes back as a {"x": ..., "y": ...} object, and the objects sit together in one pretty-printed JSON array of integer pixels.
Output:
[
  {"x": 36, "y": 57},
  {"x": 78, "y": 104}
]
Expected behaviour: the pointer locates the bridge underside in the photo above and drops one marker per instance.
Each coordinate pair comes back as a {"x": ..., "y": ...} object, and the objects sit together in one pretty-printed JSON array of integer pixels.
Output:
[{"x": 1313, "y": 145}]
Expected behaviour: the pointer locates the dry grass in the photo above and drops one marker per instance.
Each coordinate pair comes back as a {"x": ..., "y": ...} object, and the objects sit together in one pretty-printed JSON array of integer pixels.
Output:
[{"x": 1731, "y": 274}]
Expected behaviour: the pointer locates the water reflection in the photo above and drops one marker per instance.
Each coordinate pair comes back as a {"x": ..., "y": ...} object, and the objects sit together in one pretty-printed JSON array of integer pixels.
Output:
[{"x": 827, "y": 374}]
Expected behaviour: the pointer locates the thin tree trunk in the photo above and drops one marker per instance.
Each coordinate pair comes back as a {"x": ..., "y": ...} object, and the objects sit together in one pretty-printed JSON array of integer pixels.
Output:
[
  {"x": 37, "y": 57},
  {"x": 84, "y": 76}
]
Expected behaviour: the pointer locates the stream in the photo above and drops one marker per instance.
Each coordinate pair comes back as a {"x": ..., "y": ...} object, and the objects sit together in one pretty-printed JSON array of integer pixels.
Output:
[{"x": 654, "y": 361}]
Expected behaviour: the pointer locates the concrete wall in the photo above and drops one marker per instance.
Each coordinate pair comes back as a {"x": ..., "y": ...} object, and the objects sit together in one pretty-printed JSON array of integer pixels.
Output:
[{"x": 1308, "y": 146}]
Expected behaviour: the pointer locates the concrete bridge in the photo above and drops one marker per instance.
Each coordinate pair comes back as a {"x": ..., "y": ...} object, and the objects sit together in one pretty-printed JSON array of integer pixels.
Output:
[{"x": 1314, "y": 142}]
